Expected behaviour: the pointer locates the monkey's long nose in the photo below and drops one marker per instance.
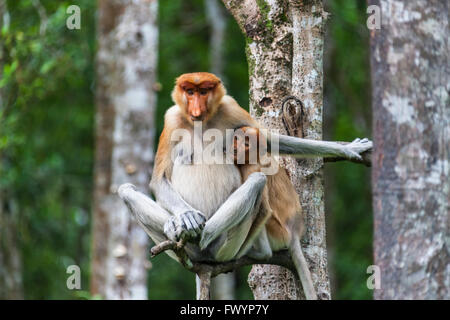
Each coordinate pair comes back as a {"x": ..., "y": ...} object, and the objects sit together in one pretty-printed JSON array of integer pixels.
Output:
[
  {"x": 197, "y": 118},
  {"x": 196, "y": 113}
]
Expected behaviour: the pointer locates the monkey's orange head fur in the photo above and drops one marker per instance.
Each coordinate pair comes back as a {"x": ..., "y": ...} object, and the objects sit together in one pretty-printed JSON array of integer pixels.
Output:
[{"x": 198, "y": 95}]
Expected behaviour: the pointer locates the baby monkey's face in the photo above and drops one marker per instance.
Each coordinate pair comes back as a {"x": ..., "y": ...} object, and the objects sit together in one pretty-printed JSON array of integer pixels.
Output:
[{"x": 246, "y": 146}]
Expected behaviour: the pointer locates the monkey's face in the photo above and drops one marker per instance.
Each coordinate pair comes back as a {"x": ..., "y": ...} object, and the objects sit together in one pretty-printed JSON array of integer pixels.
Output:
[
  {"x": 198, "y": 97},
  {"x": 246, "y": 145}
]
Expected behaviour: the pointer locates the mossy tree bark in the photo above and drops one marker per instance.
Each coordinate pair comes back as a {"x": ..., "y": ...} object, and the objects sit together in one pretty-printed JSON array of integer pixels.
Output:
[
  {"x": 284, "y": 53},
  {"x": 410, "y": 177}
]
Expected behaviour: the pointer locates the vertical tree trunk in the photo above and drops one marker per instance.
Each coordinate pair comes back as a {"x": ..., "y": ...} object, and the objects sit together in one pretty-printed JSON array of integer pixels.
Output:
[
  {"x": 126, "y": 102},
  {"x": 217, "y": 23},
  {"x": 411, "y": 190},
  {"x": 284, "y": 53},
  {"x": 223, "y": 285}
]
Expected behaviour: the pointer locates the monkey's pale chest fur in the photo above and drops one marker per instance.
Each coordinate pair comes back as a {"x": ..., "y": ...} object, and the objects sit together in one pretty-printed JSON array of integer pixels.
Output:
[{"x": 204, "y": 186}]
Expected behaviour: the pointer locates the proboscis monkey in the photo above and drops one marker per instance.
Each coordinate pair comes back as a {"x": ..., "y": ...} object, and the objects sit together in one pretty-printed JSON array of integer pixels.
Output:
[
  {"x": 224, "y": 210},
  {"x": 279, "y": 222}
]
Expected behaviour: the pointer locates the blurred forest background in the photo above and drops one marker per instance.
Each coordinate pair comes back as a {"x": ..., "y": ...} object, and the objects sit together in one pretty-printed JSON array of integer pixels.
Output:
[{"x": 47, "y": 111}]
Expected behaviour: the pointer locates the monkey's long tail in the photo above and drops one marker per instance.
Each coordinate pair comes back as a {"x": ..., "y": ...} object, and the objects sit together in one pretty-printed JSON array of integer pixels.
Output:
[{"x": 302, "y": 268}]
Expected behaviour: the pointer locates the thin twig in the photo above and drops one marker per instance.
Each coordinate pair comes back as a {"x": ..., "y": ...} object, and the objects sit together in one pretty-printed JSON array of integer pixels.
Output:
[{"x": 165, "y": 245}]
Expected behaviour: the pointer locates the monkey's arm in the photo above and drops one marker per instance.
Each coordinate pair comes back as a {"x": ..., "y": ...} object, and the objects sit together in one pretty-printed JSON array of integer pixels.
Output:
[
  {"x": 185, "y": 222},
  {"x": 169, "y": 198},
  {"x": 299, "y": 147}
]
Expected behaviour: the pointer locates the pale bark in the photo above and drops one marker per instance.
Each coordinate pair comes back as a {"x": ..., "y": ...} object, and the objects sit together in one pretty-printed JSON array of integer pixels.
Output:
[
  {"x": 217, "y": 23},
  {"x": 126, "y": 102},
  {"x": 410, "y": 80},
  {"x": 284, "y": 53}
]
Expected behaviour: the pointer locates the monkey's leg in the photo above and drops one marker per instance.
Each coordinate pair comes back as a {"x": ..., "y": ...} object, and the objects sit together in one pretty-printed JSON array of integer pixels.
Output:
[
  {"x": 261, "y": 249},
  {"x": 149, "y": 214},
  {"x": 301, "y": 265},
  {"x": 257, "y": 243},
  {"x": 186, "y": 222},
  {"x": 234, "y": 218}
]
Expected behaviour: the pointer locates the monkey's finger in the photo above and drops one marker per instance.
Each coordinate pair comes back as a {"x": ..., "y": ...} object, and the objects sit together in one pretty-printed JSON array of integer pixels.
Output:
[
  {"x": 179, "y": 228},
  {"x": 189, "y": 227},
  {"x": 180, "y": 234},
  {"x": 355, "y": 155},
  {"x": 170, "y": 224},
  {"x": 170, "y": 229},
  {"x": 186, "y": 221},
  {"x": 200, "y": 219},
  {"x": 196, "y": 225}
]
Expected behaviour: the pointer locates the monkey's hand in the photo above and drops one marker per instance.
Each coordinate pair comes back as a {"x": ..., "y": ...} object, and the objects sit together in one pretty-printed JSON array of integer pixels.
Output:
[
  {"x": 354, "y": 149},
  {"x": 186, "y": 226}
]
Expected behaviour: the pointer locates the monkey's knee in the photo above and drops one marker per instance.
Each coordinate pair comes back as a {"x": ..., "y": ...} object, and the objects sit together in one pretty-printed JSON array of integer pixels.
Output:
[
  {"x": 125, "y": 189},
  {"x": 149, "y": 213},
  {"x": 257, "y": 179}
]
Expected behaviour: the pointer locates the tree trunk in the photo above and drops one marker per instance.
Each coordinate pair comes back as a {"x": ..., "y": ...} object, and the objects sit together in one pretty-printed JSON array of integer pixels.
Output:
[
  {"x": 409, "y": 58},
  {"x": 284, "y": 53},
  {"x": 126, "y": 102},
  {"x": 217, "y": 23}
]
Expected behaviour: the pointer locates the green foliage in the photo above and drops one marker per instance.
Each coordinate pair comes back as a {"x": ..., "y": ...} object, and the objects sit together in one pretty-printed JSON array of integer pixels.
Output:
[
  {"x": 348, "y": 198},
  {"x": 184, "y": 47},
  {"x": 46, "y": 141}
]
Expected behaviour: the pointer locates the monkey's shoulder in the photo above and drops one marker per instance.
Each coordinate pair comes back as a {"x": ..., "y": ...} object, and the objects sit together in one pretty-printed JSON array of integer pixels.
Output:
[
  {"x": 231, "y": 112},
  {"x": 174, "y": 118}
]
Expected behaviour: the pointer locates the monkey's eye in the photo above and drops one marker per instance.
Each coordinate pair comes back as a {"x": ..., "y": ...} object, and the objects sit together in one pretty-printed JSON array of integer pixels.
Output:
[
  {"x": 203, "y": 92},
  {"x": 190, "y": 91}
]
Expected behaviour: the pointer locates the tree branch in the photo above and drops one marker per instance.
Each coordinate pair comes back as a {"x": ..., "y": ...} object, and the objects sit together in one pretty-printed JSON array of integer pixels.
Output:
[{"x": 281, "y": 258}]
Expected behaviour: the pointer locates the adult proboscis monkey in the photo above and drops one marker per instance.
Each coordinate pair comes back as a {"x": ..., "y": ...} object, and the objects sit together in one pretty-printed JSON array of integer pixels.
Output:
[{"x": 225, "y": 209}]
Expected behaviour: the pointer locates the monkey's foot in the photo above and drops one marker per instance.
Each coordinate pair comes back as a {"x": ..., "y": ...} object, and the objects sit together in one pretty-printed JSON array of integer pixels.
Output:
[
  {"x": 187, "y": 226},
  {"x": 354, "y": 149}
]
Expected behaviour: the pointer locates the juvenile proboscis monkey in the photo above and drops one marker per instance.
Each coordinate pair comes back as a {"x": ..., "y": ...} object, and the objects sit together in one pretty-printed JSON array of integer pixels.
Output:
[{"x": 225, "y": 210}]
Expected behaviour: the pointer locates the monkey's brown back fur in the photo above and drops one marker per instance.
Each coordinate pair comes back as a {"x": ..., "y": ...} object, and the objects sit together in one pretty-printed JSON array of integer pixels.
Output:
[{"x": 279, "y": 199}]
